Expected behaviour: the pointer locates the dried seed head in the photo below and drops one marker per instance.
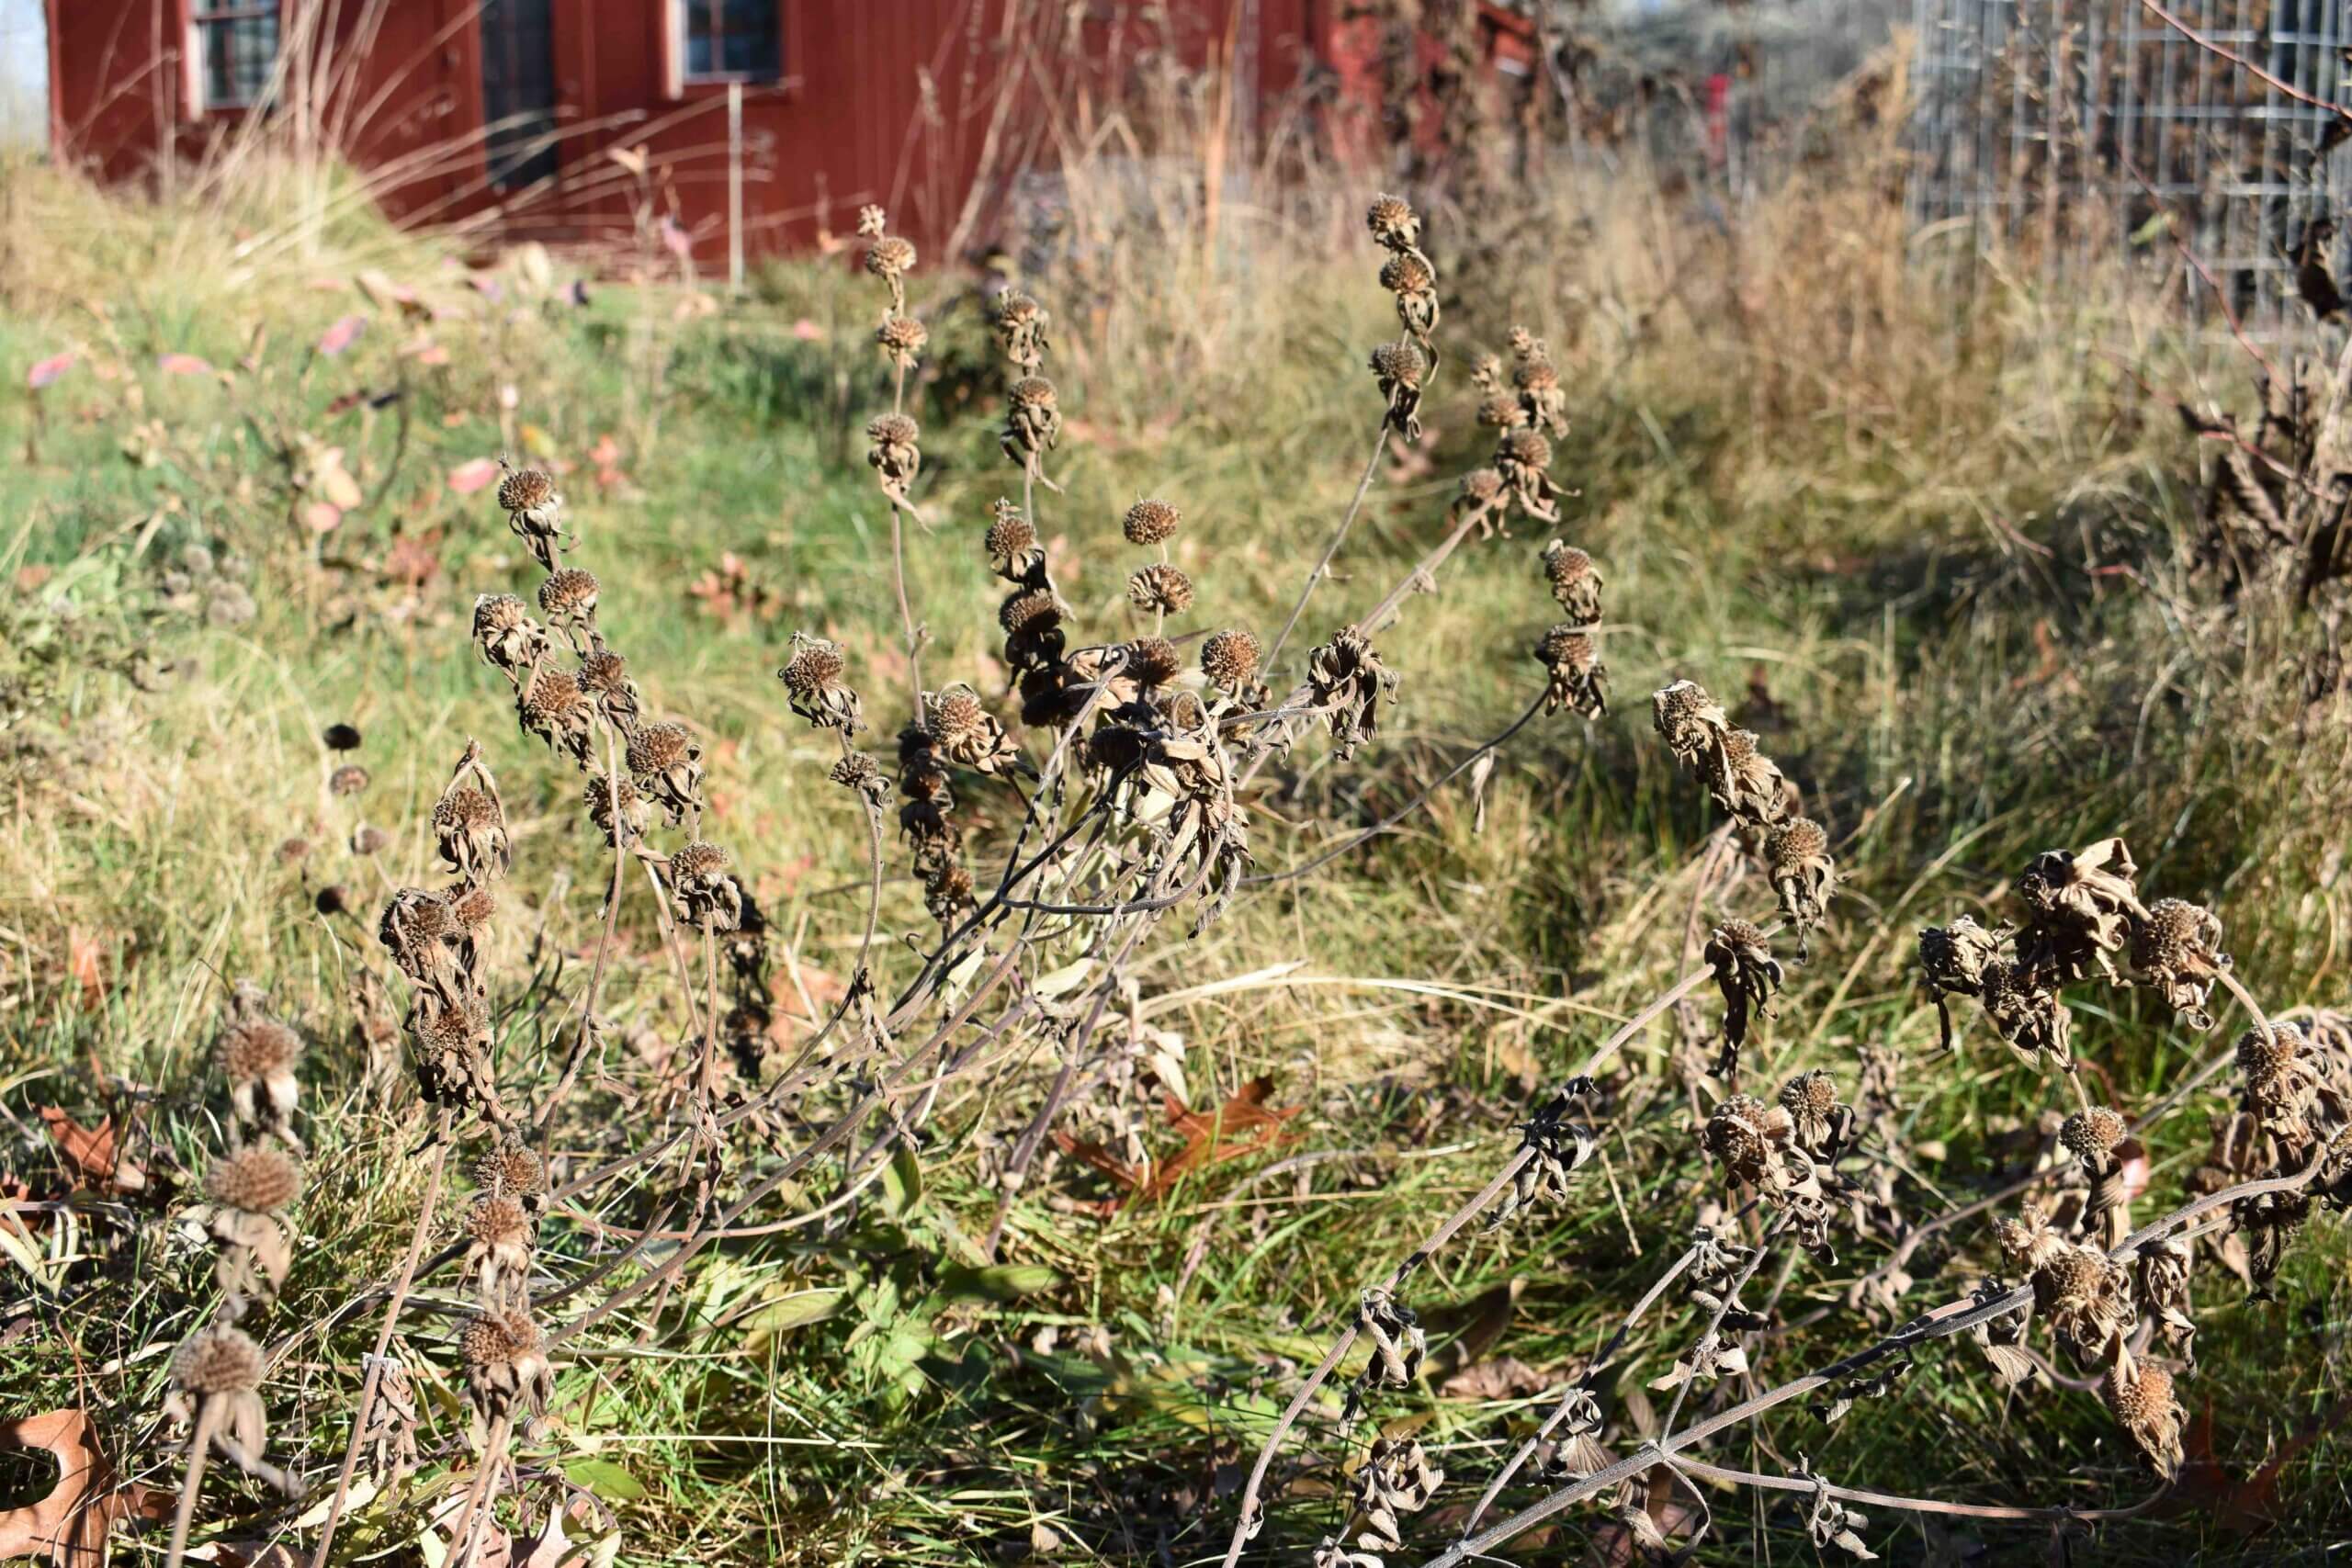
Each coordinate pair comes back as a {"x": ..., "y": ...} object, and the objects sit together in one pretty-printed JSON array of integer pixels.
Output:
[
  {"x": 598, "y": 795},
  {"x": 258, "y": 1048},
  {"x": 1526, "y": 448},
  {"x": 1407, "y": 273},
  {"x": 342, "y": 737},
  {"x": 814, "y": 666},
  {"x": 901, "y": 337},
  {"x": 1482, "y": 487},
  {"x": 552, "y": 700},
  {"x": 498, "y": 1219},
  {"x": 219, "y": 1359},
  {"x": 498, "y": 1340},
  {"x": 2168, "y": 937},
  {"x": 1153, "y": 660},
  {"x": 1564, "y": 647},
  {"x": 413, "y": 917},
  {"x": 1162, "y": 588},
  {"x": 2265, "y": 1058},
  {"x": 511, "y": 1167},
  {"x": 958, "y": 716},
  {"x": 525, "y": 490},
  {"x": 657, "y": 748},
  {"x": 891, "y": 430},
  {"x": 1014, "y": 309},
  {"x": 698, "y": 860},
  {"x": 1032, "y": 609},
  {"x": 348, "y": 779},
  {"x": 1032, "y": 392},
  {"x": 1795, "y": 844},
  {"x": 369, "y": 840},
  {"x": 473, "y": 908},
  {"x": 1400, "y": 365},
  {"x": 1010, "y": 541},
  {"x": 1393, "y": 222},
  {"x": 568, "y": 594},
  {"x": 1230, "y": 658},
  {"x": 1813, "y": 1094},
  {"x": 260, "y": 1179},
  {"x": 1535, "y": 374},
  {"x": 2091, "y": 1134},
  {"x": 1953, "y": 957},
  {"x": 892, "y": 255},
  {"x": 2070, "y": 1274},
  {"x": 2139, "y": 1396},
  {"x": 604, "y": 674},
  {"x": 1500, "y": 410},
  {"x": 1151, "y": 521},
  {"x": 464, "y": 809},
  {"x": 1739, "y": 1136}
]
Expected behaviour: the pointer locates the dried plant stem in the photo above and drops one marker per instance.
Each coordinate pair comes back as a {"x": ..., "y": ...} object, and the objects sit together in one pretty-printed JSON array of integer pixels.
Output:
[
  {"x": 1705, "y": 1471},
  {"x": 906, "y": 608},
  {"x": 1952, "y": 1317},
  {"x": 1331, "y": 550},
  {"x": 579, "y": 1054},
  {"x": 200, "y": 1448},
  {"x": 1437, "y": 1239},
  {"x": 368, "y": 1388},
  {"x": 1714, "y": 1324},
  {"x": 476, "y": 1513}
]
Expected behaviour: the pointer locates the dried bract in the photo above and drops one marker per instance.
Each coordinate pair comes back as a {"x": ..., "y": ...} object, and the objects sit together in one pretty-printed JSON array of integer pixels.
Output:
[
  {"x": 812, "y": 680},
  {"x": 1574, "y": 677},
  {"x": 1576, "y": 581},
  {"x": 1346, "y": 679},
  {"x": 2177, "y": 952},
  {"x": 1749, "y": 976}
]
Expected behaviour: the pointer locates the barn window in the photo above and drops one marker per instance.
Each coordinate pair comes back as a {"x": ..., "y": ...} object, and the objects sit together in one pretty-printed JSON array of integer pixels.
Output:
[
  {"x": 731, "y": 40},
  {"x": 235, "y": 46}
]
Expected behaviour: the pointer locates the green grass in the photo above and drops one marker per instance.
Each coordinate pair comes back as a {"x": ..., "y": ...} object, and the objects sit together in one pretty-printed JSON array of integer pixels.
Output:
[{"x": 1905, "y": 536}]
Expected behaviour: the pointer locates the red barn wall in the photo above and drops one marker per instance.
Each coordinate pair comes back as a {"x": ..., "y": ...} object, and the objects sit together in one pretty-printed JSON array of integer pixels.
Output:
[{"x": 887, "y": 101}]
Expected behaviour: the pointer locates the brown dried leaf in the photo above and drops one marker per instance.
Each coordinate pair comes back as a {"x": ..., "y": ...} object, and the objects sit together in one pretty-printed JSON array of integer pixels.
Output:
[
  {"x": 69, "y": 1527},
  {"x": 93, "y": 1155}
]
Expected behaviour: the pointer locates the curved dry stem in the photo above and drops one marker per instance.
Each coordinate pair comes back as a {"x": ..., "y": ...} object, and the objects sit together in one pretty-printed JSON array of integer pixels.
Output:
[
  {"x": 1339, "y": 537},
  {"x": 200, "y": 1448}
]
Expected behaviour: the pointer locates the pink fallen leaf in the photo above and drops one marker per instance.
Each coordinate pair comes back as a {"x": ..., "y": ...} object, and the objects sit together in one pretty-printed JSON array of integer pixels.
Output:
[
  {"x": 468, "y": 478},
  {"x": 182, "y": 365},
  {"x": 808, "y": 330},
  {"x": 50, "y": 369},
  {"x": 675, "y": 239},
  {"x": 343, "y": 334},
  {"x": 322, "y": 516}
]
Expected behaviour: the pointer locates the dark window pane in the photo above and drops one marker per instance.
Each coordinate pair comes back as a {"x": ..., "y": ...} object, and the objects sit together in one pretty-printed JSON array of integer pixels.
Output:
[
  {"x": 518, "y": 90},
  {"x": 734, "y": 37},
  {"x": 240, "y": 50}
]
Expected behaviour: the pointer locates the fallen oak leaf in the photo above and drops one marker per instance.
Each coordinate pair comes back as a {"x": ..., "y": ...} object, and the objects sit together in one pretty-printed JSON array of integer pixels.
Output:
[
  {"x": 93, "y": 1155},
  {"x": 69, "y": 1527}
]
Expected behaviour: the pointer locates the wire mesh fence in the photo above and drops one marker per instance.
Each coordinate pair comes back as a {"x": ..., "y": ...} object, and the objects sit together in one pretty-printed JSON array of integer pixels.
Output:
[{"x": 2079, "y": 130}]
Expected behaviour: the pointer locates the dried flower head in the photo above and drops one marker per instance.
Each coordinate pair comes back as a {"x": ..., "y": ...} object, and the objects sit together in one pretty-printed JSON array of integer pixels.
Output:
[
  {"x": 1346, "y": 679},
  {"x": 1396, "y": 1479},
  {"x": 1749, "y": 976},
  {"x": 369, "y": 839},
  {"x": 1578, "y": 680},
  {"x": 451, "y": 1042},
  {"x": 1020, "y": 325},
  {"x": 1820, "y": 1123},
  {"x": 947, "y": 892},
  {"x": 1229, "y": 660},
  {"x": 257, "y": 1056},
  {"x": 893, "y": 447},
  {"x": 471, "y": 907},
  {"x": 1399, "y": 1344},
  {"x": 1541, "y": 397},
  {"x": 219, "y": 1359},
  {"x": 667, "y": 764},
  {"x": 259, "y": 1178},
  {"x": 340, "y": 736},
  {"x": 1033, "y": 421},
  {"x": 601, "y": 795},
  {"x": 861, "y": 774},
  {"x": 890, "y": 258},
  {"x": 1161, "y": 589},
  {"x": 1500, "y": 410},
  {"x": 2282, "y": 1079},
  {"x": 2080, "y": 907},
  {"x": 2140, "y": 1396},
  {"x": 471, "y": 830},
  {"x": 1394, "y": 223},
  {"x": 901, "y": 339},
  {"x": 967, "y": 733},
  {"x": 813, "y": 678},
  {"x": 2091, "y": 1134},
  {"x": 1399, "y": 368},
  {"x": 1012, "y": 545},
  {"x": 1523, "y": 458},
  {"x": 1746, "y": 785},
  {"x": 568, "y": 598},
  {"x": 2030, "y": 1016},
  {"x": 500, "y": 1233},
  {"x": 348, "y": 779},
  {"x": 1745, "y": 1136},
  {"x": 701, "y": 890},
  {"x": 2178, "y": 952},
  {"x": 506, "y": 1368},
  {"x": 1797, "y": 855},
  {"x": 2030, "y": 1240},
  {"x": 1576, "y": 581},
  {"x": 1153, "y": 662},
  {"x": 534, "y": 511},
  {"x": 1409, "y": 276},
  {"x": 1151, "y": 521},
  {"x": 551, "y": 706},
  {"x": 505, "y": 634},
  {"x": 1688, "y": 720},
  {"x": 2087, "y": 1297},
  {"x": 511, "y": 1168},
  {"x": 604, "y": 675}
]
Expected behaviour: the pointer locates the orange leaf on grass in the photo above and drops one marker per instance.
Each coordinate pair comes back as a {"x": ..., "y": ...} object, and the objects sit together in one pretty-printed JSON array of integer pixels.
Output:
[
  {"x": 69, "y": 1527},
  {"x": 94, "y": 1154}
]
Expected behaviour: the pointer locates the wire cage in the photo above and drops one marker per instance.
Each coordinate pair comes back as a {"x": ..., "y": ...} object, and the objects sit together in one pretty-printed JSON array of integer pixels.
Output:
[{"x": 2076, "y": 131}]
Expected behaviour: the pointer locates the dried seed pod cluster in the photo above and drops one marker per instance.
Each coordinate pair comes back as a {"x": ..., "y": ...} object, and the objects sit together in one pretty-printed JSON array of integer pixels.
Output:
[{"x": 1748, "y": 787}]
